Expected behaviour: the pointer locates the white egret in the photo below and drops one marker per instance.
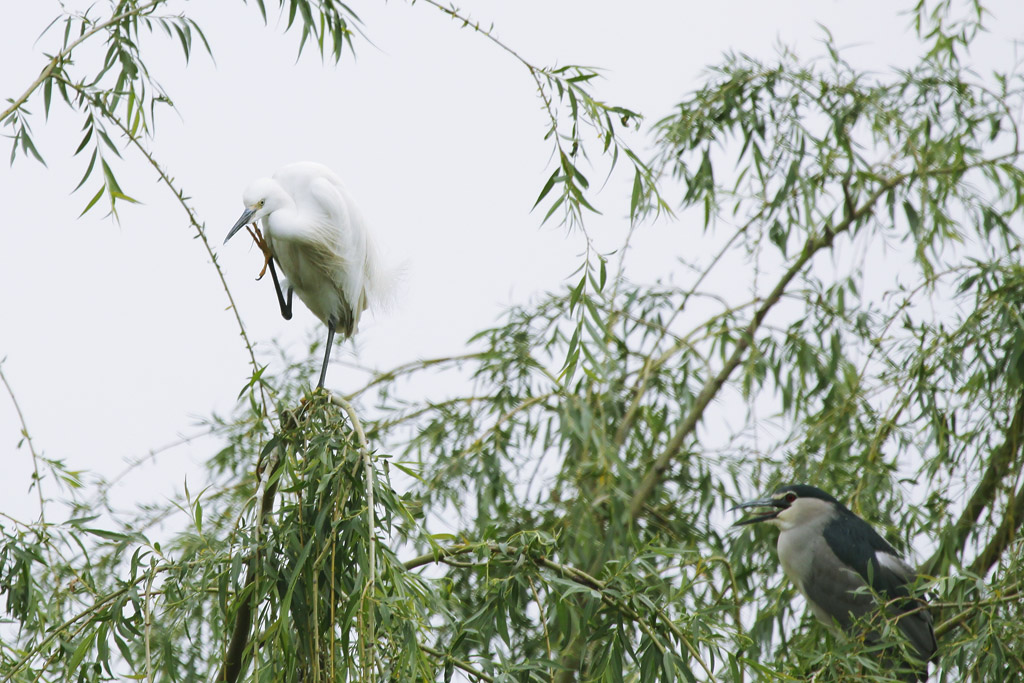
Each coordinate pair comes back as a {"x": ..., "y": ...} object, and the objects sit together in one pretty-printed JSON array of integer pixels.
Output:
[{"x": 315, "y": 232}]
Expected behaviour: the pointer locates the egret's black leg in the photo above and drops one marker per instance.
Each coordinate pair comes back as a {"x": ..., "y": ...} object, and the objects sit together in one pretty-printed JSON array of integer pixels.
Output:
[
  {"x": 327, "y": 354},
  {"x": 286, "y": 307}
]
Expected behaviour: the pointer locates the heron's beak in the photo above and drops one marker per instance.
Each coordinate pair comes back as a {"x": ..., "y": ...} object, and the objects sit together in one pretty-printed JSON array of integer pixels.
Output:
[
  {"x": 759, "y": 503},
  {"x": 244, "y": 219}
]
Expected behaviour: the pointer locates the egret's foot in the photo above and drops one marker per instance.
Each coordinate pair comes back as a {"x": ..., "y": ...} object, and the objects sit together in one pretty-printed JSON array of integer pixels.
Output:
[
  {"x": 257, "y": 237},
  {"x": 314, "y": 394}
]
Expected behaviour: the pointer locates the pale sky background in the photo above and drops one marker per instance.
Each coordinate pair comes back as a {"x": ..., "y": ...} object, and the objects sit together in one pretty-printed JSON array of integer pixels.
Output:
[{"x": 116, "y": 336}]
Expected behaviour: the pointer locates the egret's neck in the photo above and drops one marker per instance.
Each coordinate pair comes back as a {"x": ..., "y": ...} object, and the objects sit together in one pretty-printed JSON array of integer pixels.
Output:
[
  {"x": 286, "y": 223},
  {"x": 283, "y": 218}
]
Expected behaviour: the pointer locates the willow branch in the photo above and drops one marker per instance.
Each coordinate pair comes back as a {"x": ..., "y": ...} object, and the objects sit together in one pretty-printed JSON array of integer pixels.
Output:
[
  {"x": 438, "y": 555},
  {"x": 196, "y": 225},
  {"x": 711, "y": 388},
  {"x": 409, "y": 368},
  {"x": 584, "y": 579},
  {"x": 35, "y": 468},
  {"x": 147, "y": 611},
  {"x": 465, "y": 666},
  {"x": 575, "y": 575},
  {"x": 31, "y": 448},
  {"x": 1003, "y": 537},
  {"x": 371, "y": 522},
  {"x": 983, "y": 496},
  {"x": 63, "y": 631},
  {"x": 247, "y": 597},
  {"x": 66, "y": 52},
  {"x": 1011, "y": 596}
]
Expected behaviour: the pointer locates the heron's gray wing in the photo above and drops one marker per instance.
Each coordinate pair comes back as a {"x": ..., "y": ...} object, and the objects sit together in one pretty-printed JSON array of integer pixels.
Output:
[
  {"x": 916, "y": 620},
  {"x": 877, "y": 563},
  {"x": 832, "y": 588}
]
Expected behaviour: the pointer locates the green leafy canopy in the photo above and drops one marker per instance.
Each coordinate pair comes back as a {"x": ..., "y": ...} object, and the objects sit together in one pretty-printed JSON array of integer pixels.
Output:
[{"x": 564, "y": 518}]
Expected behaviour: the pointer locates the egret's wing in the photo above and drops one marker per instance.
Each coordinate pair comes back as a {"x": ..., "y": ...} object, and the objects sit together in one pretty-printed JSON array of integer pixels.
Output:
[
  {"x": 375, "y": 281},
  {"x": 348, "y": 242}
]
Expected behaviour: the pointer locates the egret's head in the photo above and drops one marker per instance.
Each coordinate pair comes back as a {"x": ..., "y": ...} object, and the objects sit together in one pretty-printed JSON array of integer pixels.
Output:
[
  {"x": 261, "y": 198},
  {"x": 789, "y": 506}
]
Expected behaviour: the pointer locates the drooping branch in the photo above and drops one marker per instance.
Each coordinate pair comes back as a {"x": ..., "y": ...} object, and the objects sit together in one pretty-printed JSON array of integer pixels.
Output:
[
  {"x": 371, "y": 521},
  {"x": 47, "y": 71},
  {"x": 569, "y": 81},
  {"x": 234, "y": 654},
  {"x": 612, "y": 598},
  {"x": 983, "y": 496},
  {"x": 78, "y": 622},
  {"x": 465, "y": 666},
  {"x": 1003, "y": 537},
  {"x": 200, "y": 230},
  {"x": 31, "y": 450}
]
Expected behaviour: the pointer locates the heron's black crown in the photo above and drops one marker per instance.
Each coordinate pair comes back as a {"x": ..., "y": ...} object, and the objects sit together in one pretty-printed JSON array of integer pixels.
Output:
[{"x": 804, "y": 491}]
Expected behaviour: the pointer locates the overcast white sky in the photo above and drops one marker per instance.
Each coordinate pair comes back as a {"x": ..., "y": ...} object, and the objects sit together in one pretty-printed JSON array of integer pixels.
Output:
[{"x": 116, "y": 335}]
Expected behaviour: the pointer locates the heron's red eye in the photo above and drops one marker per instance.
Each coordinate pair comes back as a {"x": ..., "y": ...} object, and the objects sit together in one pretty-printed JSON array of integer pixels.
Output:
[{"x": 790, "y": 497}]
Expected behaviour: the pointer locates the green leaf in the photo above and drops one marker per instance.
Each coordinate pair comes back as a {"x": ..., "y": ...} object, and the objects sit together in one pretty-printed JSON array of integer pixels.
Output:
[
  {"x": 47, "y": 94},
  {"x": 79, "y": 521},
  {"x": 778, "y": 235},
  {"x": 84, "y": 645},
  {"x": 913, "y": 218},
  {"x": 638, "y": 189},
  {"x": 81, "y": 146},
  {"x": 555, "y": 177},
  {"x": 107, "y": 141},
  {"x": 108, "y": 534},
  {"x": 26, "y": 144},
  {"x": 92, "y": 201}
]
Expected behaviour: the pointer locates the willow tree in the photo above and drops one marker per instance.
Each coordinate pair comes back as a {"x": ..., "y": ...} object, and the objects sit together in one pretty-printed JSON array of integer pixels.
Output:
[{"x": 849, "y": 315}]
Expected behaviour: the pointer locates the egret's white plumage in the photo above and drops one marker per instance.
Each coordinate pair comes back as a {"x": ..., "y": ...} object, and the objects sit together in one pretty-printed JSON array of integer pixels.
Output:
[{"x": 316, "y": 233}]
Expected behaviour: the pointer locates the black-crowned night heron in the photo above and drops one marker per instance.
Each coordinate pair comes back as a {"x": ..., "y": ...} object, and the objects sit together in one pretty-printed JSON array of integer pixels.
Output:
[{"x": 831, "y": 554}]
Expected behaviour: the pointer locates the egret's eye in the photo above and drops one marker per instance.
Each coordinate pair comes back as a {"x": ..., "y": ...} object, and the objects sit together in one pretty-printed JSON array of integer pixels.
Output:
[{"x": 790, "y": 497}]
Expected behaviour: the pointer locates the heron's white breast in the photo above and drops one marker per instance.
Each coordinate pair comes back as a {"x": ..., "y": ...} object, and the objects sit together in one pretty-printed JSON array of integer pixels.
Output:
[{"x": 802, "y": 537}]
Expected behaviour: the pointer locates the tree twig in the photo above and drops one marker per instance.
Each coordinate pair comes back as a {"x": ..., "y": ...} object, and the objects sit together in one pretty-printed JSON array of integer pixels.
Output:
[
  {"x": 201, "y": 232},
  {"x": 31, "y": 448},
  {"x": 465, "y": 666},
  {"x": 575, "y": 575},
  {"x": 148, "y": 617}
]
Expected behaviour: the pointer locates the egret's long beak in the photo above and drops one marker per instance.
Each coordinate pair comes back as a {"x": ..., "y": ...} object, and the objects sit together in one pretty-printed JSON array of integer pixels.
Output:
[
  {"x": 759, "y": 503},
  {"x": 243, "y": 220}
]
